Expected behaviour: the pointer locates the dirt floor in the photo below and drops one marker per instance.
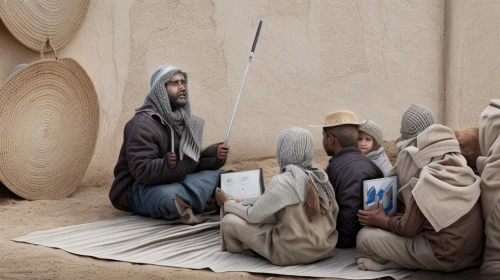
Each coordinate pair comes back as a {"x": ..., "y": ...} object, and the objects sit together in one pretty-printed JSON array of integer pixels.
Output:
[{"x": 90, "y": 203}]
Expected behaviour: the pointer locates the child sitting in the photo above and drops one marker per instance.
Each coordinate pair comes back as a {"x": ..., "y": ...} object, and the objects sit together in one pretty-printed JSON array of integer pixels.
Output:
[
  {"x": 369, "y": 140},
  {"x": 294, "y": 221},
  {"x": 441, "y": 227}
]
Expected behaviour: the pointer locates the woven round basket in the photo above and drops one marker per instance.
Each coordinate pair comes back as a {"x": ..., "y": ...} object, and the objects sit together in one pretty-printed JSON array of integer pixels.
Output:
[
  {"x": 49, "y": 116},
  {"x": 32, "y": 22}
]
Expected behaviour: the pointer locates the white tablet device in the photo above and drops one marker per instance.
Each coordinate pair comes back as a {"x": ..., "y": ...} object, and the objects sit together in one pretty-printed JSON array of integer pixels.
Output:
[{"x": 242, "y": 184}]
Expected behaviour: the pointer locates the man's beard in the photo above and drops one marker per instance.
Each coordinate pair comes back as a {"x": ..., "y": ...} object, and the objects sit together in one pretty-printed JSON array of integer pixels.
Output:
[{"x": 174, "y": 103}]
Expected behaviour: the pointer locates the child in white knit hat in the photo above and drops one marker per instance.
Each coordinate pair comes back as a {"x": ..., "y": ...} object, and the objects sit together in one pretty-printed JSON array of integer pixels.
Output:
[{"x": 369, "y": 140}]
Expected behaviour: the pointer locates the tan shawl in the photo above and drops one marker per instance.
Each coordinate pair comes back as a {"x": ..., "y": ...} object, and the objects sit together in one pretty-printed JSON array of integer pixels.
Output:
[
  {"x": 447, "y": 188},
  {"x": 417, "y": 152}
]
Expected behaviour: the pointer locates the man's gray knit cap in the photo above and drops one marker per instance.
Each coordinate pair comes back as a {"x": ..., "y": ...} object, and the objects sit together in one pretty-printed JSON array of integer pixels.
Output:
[
  {"x": 164, "y": 73},
  {"x": 295, "y": 146},
  {"x": 372, "y": 128},
  {"x": 416, "y": 119}
]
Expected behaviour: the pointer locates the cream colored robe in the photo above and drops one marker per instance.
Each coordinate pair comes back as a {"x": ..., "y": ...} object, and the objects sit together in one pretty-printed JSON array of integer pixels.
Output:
[
  {"x": 447, "y": 188},
  {"x": 276, "y": 225},
  {"x": 488, "y": 166}
]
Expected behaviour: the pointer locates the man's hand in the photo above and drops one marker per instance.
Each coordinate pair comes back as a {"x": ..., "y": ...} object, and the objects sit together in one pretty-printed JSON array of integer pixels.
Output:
[
  {"x": 171, "y": 160},
  {"x": 375, "y": 218},
  {"x": 222, "y": 151}
]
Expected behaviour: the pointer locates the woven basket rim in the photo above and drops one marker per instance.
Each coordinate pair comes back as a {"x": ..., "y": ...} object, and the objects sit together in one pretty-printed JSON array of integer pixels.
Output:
[
  {"x": 31, "y": 163},
  {"x": 32, "y": 25}
]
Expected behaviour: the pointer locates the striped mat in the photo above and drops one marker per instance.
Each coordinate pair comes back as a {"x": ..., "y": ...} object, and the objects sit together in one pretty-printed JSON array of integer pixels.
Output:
[{"x": 144, "y": 240}]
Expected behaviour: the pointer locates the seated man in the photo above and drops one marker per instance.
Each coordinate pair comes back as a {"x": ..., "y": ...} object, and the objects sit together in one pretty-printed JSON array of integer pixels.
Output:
[
  {"x": 293, "y": 222},
  {"x": 347, "y": 169},
  {"x": 161, "y": 156},
  {"x": 488, "y": 166},
  {"x": 441, "y": 227}
]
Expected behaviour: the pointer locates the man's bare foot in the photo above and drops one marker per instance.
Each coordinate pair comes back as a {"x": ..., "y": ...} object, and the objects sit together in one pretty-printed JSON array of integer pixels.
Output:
[{"x": 369, "y": 264}]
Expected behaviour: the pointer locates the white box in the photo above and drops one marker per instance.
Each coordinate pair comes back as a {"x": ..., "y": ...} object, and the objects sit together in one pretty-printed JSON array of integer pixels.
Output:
[{"x": 383, "y": 189}]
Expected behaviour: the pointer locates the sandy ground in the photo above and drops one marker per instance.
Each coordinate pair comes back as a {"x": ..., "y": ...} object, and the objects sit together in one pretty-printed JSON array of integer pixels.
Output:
[{"x": 90, "y": 203}]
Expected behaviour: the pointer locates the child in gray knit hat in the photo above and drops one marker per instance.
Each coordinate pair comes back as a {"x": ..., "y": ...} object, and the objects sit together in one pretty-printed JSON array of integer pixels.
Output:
[{"x": 369, "y": 140}]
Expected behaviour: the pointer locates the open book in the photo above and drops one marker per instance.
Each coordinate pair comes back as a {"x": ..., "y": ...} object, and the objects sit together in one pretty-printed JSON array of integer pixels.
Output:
[
  {"x": 242, "y": 184},
  {"x": 383, "y": 190}
]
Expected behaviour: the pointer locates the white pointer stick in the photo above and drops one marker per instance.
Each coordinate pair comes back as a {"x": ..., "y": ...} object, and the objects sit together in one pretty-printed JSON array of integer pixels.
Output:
[{"x": 244, "y": 78}]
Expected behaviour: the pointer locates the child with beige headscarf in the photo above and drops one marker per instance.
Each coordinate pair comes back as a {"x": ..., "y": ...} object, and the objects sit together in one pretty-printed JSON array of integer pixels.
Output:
[
  {"x": 441, "y": 227},
  {"x": 294, "y": 221}
]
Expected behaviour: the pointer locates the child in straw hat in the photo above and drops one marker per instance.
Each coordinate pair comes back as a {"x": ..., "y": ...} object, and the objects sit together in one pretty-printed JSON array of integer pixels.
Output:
[{"x": 369, "y": 140}]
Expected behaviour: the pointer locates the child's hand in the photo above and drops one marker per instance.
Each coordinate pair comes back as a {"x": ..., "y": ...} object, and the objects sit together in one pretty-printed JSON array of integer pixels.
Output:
[
  {"x": 171, "y": 160},
  {"x": 221, "y": 197},
  {"x": 375, "y": 218}
]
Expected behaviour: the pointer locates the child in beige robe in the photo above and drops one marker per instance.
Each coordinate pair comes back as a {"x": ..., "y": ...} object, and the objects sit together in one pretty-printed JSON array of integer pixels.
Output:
[
  {"x": 294, "y": 221},
  {"x": 441, "y": 227}
]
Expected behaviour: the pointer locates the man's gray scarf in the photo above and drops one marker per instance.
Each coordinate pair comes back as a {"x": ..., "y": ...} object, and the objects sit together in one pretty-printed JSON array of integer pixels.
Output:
[{"x": 188, "y": 126}]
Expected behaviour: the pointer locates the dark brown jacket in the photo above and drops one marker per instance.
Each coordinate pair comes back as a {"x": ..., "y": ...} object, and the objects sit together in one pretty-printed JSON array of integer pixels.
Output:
[{"x": 143, "y": 158}]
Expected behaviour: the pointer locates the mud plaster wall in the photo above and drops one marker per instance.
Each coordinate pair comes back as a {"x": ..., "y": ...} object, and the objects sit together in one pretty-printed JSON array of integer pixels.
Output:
[
  {"x": 313, "y": 57},
  {"x": 472, "y": 60}
]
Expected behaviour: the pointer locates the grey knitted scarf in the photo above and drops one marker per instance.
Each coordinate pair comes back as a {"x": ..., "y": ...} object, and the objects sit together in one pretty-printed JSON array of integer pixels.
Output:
[
  {"x": 188, "y": 126},
  {"x": 295, "y": 147}
]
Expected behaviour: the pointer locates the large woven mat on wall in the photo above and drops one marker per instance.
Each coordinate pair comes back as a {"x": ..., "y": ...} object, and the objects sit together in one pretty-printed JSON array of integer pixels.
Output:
[
  {"x": 33, "y": 21},
  {"x": 49, "y": 116}
]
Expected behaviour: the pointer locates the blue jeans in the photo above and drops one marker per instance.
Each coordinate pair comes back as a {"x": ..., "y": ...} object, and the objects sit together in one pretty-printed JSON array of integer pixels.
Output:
[{"x": 158, "y": 200}]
